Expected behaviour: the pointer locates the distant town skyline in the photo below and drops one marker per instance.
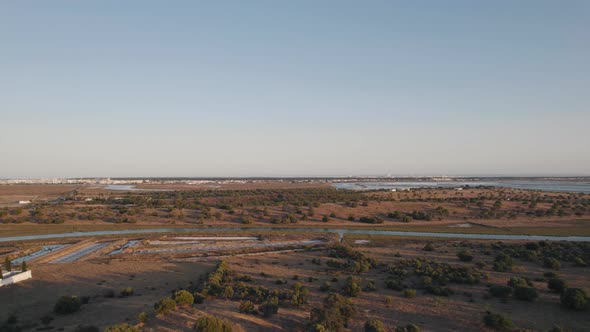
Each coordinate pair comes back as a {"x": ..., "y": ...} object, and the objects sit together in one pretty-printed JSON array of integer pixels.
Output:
[{"x": 305, "y": 88}]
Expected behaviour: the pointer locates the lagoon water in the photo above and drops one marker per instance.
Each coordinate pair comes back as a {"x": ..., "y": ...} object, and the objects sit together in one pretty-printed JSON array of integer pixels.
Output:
[
  {"x": 547, "y": 185},
  {"x": 340, "y": 232}
]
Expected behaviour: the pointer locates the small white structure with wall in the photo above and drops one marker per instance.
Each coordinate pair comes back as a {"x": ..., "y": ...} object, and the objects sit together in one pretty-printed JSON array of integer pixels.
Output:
[
  {"x": 14, "y": 277},
  {"x": 24, "y": 202}
]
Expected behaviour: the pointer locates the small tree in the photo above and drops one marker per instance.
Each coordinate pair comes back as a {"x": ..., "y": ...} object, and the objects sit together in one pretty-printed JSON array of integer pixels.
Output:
[
  {"x": 212, "y": 324},
  {"x": 374, "y": 325},
  {"x": 551, "y": 263},
  {"x": 7, "y": 264},
  {"x": 143, "y": 317},
  {"x": 183, "y": 298},
  {"x": 352, "y": 287},
  {"x": 525, "y": 293},
  {"x": 23, "y": 266},
  {"x": 410, "y": 293},
  {"x": 228, "y": 292},
  {"x": 164, "y": 306},
  {"x": 465, "y": 256},
  {"x": 574, "y": 298},
  {"x": 498, "y": 321},
  {"x": 270, "y": 307}
]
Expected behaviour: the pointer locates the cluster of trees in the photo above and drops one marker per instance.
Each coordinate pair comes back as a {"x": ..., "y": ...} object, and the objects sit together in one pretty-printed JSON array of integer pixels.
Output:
[
  {"x": 335, "y": 314},
  {"x": 549, "y": 254},
  {"x": 357, "y": 261},
  {"x": 433, "y": 276}
]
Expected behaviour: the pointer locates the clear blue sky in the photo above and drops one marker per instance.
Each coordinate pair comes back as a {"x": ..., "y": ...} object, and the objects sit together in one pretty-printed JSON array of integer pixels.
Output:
[{"x": 251, "y": 88}]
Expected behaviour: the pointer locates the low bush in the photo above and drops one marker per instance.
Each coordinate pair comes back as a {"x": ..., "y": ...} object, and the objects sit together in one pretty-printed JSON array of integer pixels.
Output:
[
  {"x": 551, "y": 263},
  {"x": 439, "y": 291},
  {"x": 143, "y": 317},
  {"x": 410, "y": 293},
  {"x": 183, "y": 298},
  {"x": 164, "y": 306},
  {"x": 525, "y": 293},
  {"x": 247, "y": 307},
  {"x": 408, "y": 328},
  {"x": 498, "y": 321},
  {"x": 374, "y": 325},
  {"x": 516, "y": 282},
  {"x": 557, "y": 285},
  {"x": 67, "y": 305},
  {"x": 212, "y": 324},
  {"x": 502, "y": 263},
  {"x": 122, "y": 328},
  {"x": 371, "y": 220},
  {"x": 128, "y": 291}
]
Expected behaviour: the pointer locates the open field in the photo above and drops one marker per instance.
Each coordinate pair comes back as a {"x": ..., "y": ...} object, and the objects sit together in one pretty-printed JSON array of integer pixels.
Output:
[
  {"x": 99, "y": 278},
  {"x": 10, "y": 195}
]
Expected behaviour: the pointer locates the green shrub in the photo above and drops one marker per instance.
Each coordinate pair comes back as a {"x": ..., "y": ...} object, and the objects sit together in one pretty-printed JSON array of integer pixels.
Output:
[
  {"x": 439, "y": 291},
  {"x": 388, "y": 301},
  {"x": 551, "y": 263},
  {"x": 67, "y": 305},
  {"x": 410, "y": 293},
  {"x": 374, "y": 325},
  {"x": 516, "y": 282},
  {"x": 574, "y": 298},
  {"x": 579, "y": 262},
  {"x": 525, "y": 293},
  {"x": 247, "y": 307},
  {"x": 122, "y": 328},
  {"x": 143, "y": 317},
  {"x": 428, "y": 247},
  {"x": 299, "y": 294},
  {"x": 465, "y": 256},
  {"x": 370, "y": 287},
  {"x": 498, "y": 321},
  {"x": 557, "y": 285},
  {"x": 408, "y": 328},
  {"x": 211, "y": 324},
  {"x": 183, "y": 298},
  {"x": 502, "y": 263},
  {"x": 371, "y": 220},
  {"x": 164, "y": 306},
  {"x": 128, "y": 291}
]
